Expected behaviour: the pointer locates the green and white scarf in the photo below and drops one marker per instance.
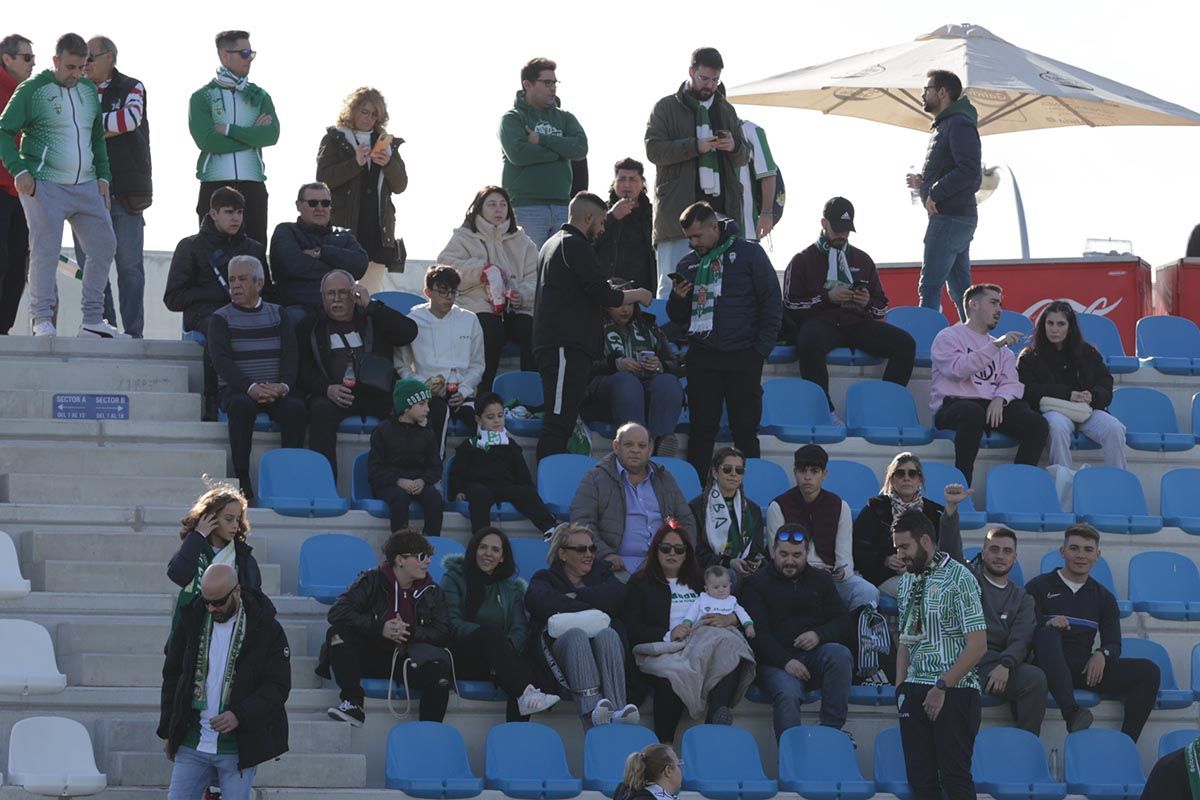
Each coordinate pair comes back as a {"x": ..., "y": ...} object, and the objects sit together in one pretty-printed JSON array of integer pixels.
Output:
[
  {"x": 1191, "y": 760},
  {"x": 723, "y": 523},
  {"x": 487, "y": 439},
  {"x": 628, "y": 341},
  {"x": 200, "y": 683},
  {"x": 708, "y": 286},
  {"x": 235, "y": 83},
  {"x": 710, "y": 162},
  {"x": 912, "y": 616},
  {"x": 839, "y": 267},
  {"x": 208, "y": 555}
]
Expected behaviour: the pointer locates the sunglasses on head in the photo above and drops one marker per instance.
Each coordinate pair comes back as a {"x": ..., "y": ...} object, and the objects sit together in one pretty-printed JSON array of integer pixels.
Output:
[
  {"x": 219, "y": 603},
  {"x": 677, "y": 549},
  {"x": 315, "y": 203},
  {"x": 729, "y": 469},
  {"x": 580, "y": 548},
  {"x": 907, "y": 473},
  {"x": 794, "y": 537}
]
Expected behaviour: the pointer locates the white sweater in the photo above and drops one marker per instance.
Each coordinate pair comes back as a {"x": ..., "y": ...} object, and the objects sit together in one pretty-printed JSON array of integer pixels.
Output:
[{"x": 454, "y": 342}]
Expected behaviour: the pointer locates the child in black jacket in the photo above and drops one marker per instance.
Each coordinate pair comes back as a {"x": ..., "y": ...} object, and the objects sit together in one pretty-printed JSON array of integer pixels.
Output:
[{"x": 405, "y": 464}]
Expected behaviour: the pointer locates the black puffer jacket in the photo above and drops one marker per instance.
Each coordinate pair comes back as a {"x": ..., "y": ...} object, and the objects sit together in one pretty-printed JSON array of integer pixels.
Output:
[
  {"x": 626, "y": 248},
  {"x": 197, "y": 283},
  {"x": 953, "y": 167},
  {"x": 182, "y": 567},
  {"x": 873, "y": 536},
  {"x": 261, "y": 685},
  {"x": 297, "y": 274},
  {"x": 368, "y": 601},
  {"x": 1052, "y": 373},
  {"x": 499, "y": 465},
  {"x": 402, "y": 450}
]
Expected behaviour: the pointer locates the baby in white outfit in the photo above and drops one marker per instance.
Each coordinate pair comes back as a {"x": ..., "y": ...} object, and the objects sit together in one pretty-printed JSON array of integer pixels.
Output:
[{"x": 716, "y": 599}]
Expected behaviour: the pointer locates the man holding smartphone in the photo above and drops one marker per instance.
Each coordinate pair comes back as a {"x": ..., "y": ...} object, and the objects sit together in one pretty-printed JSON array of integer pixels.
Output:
[{"x": 834, "y": 298}]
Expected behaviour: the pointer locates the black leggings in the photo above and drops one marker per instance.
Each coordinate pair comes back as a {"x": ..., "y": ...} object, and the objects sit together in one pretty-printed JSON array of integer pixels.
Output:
[
  {"x": 486, "y": 655},
  {"x": 354, "y": 656}
]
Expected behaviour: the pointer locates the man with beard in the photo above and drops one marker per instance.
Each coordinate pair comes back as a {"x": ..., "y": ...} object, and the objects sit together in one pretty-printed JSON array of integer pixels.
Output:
[
  {"x": 943, "y": 634},
  {"x": 626, "y": 247},
  {"x": 975, "y": 384},
  {"x": 572, "y": 294}
]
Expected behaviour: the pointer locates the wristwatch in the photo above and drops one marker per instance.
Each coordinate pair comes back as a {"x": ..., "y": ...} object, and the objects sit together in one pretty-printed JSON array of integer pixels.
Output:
[
  {"x": 941, "y": 684},
  {"x": 1104, "y": 652}
]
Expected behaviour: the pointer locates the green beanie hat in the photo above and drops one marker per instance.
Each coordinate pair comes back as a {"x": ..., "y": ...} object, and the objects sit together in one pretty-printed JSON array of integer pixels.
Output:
[{"x": 409, "y": 392}]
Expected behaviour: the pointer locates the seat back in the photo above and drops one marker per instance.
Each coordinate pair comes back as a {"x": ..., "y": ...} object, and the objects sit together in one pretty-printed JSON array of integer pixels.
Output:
[
  {"x": 27, "y": 664},
  {"x": 1196, "y": 672},
  {"x": 1102, "y": 334},
  {"x": 53, "y": 755},
  {"x": 817, "y": 753},
  {"x": 871, "y": 403},
  {"x": 604, "y": 752},
  {"x": 1196, "y": 415},
  {"x": 1101, "y": 571},
  {"x": 1014, "y": 321},
  {"x": 794, "y": 401},
  {"x": 889, "y": 759},
  {"x": 399, "y": 301},
  {"x": 558, "y": 478},
  {"x": 1178, "y": 495},
  {"x": 443, "y": 548},
  {"x": 939, "y": 475},
  {"x": 1101, "y": 755},
  {"x": 329, "y": 562},
  {"x": 923, "y": 324},
  {"x": 524, "y": 750},
  {"x": 658, "y": 310},
  {"x": 360, "y": 485},
  {"x": 1163, "y": 575},
  {"x": 1143, "y": 410},
  {"x": 1016, "y": 574},
  {"x": 1167, "y": 337},
  {"x": 295, "y": 472},
  {"x": 854, "y": 482},
  {"x": 765, "y": 480},
  {"x": 1175, "y": 740},
  {"x": 683, "y": 473},
  {"x": 525, "y": 387},
  {"x": 719, "y": 753},
  {"x": 1021, "y": 488},
  {"x": 530, "y": 555},
  {"x": 12, "y": 584},
  {"x": 1108, "y": 490},
  {"x": 1137, "y": 647},
  {"x": 1009, "y": 755},
  {"x": 425, "y": 751}
]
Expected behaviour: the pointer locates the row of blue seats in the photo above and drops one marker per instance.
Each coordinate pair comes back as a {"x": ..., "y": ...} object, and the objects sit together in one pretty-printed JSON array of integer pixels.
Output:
[{"x": 528, "y": 760}]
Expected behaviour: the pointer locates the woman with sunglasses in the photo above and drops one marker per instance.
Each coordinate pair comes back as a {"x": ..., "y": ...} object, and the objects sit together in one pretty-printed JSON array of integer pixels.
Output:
[
  {"x": 903, "y": 490},
  {"x": 359, "y": 162},
  {"x": 1060, "y": 364},
  {"x": 660, "y": 595},
  {"x": 730, "y": 524},
  {"x": 587, "y": 664}
]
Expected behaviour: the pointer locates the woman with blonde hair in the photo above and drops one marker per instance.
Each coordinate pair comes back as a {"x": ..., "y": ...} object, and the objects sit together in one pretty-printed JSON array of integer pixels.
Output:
[
  {"x": 652, "y": 773},
  {"x": 358, "y": 161}
]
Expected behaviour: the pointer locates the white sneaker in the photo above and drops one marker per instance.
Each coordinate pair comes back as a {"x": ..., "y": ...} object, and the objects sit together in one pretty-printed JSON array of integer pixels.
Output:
[
  {"x": 534, "y": 701},
  {"x": 602, "y": 714},
  {"x": 44, "y": 327},
  {"x": 101, "y": 330},
  {"x": 629, "y": 715}
]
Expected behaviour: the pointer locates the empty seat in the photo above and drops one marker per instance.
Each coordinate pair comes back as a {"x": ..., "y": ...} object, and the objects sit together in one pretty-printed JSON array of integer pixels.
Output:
[
  {"x": 443, "y": 547},
  {"x": 355, "y": 423},
  {"x": 723, "y": 763},
  {"x": 27, "y": 663},
  {"x": 1016, "y": 575},
  {"x": 937, "y": 477},
  {"x": 526, "y": 389},
  {"x": 854, "y": 482},
  {"x": 399, "y": 301},
  {"x": 765, "y": 480},
  {"x": 501, "y": 512},
  {"x": 298, "y": 483},
  {"x": 12, "y": 585},
  {"x": 1170, "y": 695},
  {"x": 1101, "y": 572},
  {"x": 1102, "y": 334},
  {"x": 683, "y": 473},
  {"x": 604, "y": 752},
  {"x": 1165, "y": 585},
  {"x": 891, "y": 774},
  {"x": 1103, "y": 764},
  {"x": 818, "y": 762},
  {"x": 1009, "y": 764},
  {"x": 1149, "y": 420},
  {"x": 920, "y": 323},
  {"x": 529, "y": 553},
  {"x": 1024, "y": 497},
  {"x": 1112, "y": 500},
  {"x": 1169, "y": 344},
  {"x": 361, "y": 496},
  {"x": 527, "y": 760},
  {"x": 884, "y": 413},
  {"x": 797, "y": 411},
  {"x": 329, "y": 562},
  {"x": 1179, "y": 499},
  {"x": 1174, "y": 740},
  {"x": 1013, "y": 321},
  {"x": 66, "y": 768},
  {"x": 429, "y": 759},
  {"x": 558, "y": 477}
]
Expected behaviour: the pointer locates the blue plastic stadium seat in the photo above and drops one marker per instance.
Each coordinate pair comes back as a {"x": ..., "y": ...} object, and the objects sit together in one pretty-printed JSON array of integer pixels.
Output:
[
  {"x": 783, "y": 353},
  {"x": 363, "y": 499},
  {"x": 1101, "y": 572},
  {"x": 1016, "y": 575},
  {"x": 1196, "y": 416},
  {"x": 525, "y": 387},
  {"x": 756, "y": 695},
  {"x": 765, "y": 480},
  {"x": 1103, "y": 764},
  {"x": 1196, "y": 672},
  {"x": 1112, "y": 500},
  {"x": 797, "y": 411},
  {"x": 1179, "y": 499},
  {"x": 937, "y": 477},
  {"x": 1169, "y": 344},
  {"x": 1013, "y": 321},
  {"x": 1010, "y": 764},
  {"x": 358, "y": 424},
  {"x": 262, "y": 422},
  {"x": 723, "y": 763},
  {"x": 329, "y": 562},
  {"x": 658, "y": 310},
  {"x": 1165, "y": 585},
  {"x": 604, "y": 752},
  {"x": 501, "y": 512},
  {"x": 378, "y": 688},
  {"x": 443, "y": 547},
  {"x": 1170, "y": 695},
  {"x": 558, "y": 478},
  {"x": 849, "y": 357},
  {"x": 888, "y": 606},
  {"x": 884, "y": 413},
  {"x": 683, "y": 473},
  {"x": 399, "y": 301},
  {"x": 527, "y": 760},
  {"x": 891, "y": 774},
  {"x": 429, "y": 760},
  {"x": 530, "y": 554},
  {"x": 481, "y": 690},
  {"x": 872, "y": 695},
  {"x": 298, "y": 483},
  {"x": 1175, "y": 740},
  {"x": 194, "y": 336},
  {"x": 854, "y": 482},
  {"x": 1149, "y": 420},
  {"x": 922, "y": 324},
  {"x": 1024, "y": 498},
  {"x": 819, "y": 763},
  {"x": 1084, "y": 698},
  {"x": 1102, "y": 334}
]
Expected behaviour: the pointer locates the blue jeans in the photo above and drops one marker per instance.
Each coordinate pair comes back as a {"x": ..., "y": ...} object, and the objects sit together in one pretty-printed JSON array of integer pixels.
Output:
[
  {"x": 669, "y": 255},
  {"x": 540, "y": 222},
  {"x": 857, "y": 591},
  {"x": 947, "y": 261},
  {"x": 195, "y": 771},
  {"x": 623, "y": 397},
  {"x": 831, "y": 667},
  {"x": 131, "y": 270}
]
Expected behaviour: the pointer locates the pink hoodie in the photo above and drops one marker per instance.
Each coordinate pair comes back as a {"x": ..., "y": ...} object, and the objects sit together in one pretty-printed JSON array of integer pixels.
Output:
[{"x": 969, "y": 364}]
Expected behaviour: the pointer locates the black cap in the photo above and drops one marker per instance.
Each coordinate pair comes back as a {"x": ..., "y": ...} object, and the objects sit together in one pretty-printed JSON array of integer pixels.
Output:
[
  {"x": 811, "y": 455},
  {"x": 839, "y": 212}
]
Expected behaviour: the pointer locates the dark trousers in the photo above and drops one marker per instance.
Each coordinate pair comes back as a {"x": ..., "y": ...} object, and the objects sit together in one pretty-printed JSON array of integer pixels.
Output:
[
  {"x": 481, "y": 497},
  {"x": 816, "y": 337},
  {"x": 1025, "y": 693},
  {"x": 668, "y": 708},
  {"x": 937, "y": 753},
  {"x": 254, "y": 221},
  {"x": 430, "y": 500},
  {"x": 440, "y": 415},
  {"x": 715, "y": 380},
  {"x": 354, "y": 656},
  {"x": 14, "y": 259},
  {"x": 288, "y": 411},
  {"x": 967, "y": 417},
  {"x": 565, "y": 374},
  {"x": 486, "y": 655},
  {"x": 1137, "y": 679},
  {"x": 496, "y": 331},
  {"x": 324, "y": 417}
]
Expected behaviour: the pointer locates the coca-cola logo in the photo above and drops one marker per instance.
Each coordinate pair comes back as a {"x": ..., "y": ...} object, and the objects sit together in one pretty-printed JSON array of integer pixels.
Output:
[{"x": 1099, "y": 307}]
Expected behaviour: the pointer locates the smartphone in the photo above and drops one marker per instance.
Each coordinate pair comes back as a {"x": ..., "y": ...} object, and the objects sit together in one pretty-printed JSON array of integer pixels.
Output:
[
  {"x": 644, "y": 355},
  {"x": 676, "y": 277},
  {"x": 860, "y": 284}
]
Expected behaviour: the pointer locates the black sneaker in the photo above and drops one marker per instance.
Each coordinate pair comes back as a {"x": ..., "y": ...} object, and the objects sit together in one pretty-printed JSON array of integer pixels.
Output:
[
  {"x": 349, "y": 712},
  {"x": 1081, "y": 720}
]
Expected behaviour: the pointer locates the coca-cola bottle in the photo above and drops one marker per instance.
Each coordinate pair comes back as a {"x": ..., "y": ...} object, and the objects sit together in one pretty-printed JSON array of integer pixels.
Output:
[
  {"x": 349, "y": 379},
  {"x": 452, "y": 383}
]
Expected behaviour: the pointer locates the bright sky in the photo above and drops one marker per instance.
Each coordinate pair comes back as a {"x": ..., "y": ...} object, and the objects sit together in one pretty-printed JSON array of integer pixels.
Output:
[{"x": 449, "y": 71}]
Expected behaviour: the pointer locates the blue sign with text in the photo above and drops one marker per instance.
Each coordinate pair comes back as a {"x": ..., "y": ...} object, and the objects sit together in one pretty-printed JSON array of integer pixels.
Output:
[{"x": 91, "y": 406}]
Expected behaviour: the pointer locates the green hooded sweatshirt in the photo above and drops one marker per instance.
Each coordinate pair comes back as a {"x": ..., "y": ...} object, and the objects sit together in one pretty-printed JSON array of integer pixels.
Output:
[
  {"x": 539, "y": 174},
  {"x": 62, "y": 131}
]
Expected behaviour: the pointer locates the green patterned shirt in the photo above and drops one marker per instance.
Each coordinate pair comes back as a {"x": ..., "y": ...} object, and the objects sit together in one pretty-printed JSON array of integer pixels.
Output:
[
  {"x": 62, "y": 131},
  {"x": 950, "y": 609}
]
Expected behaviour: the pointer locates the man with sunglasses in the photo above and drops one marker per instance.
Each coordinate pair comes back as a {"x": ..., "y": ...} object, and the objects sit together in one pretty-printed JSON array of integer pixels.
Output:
[
  {"x": 17, "y": 60},
  {"x": 226, "y": 680},
  {"x": 231, "y": 120},
  {"x": 801, "y": 627},
  {"x": 305, "y": 251}
]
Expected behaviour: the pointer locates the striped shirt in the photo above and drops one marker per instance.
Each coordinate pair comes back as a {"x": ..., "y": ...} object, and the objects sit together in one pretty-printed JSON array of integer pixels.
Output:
[
  {"x": 951, "y": 608},
  {"x": 761, "y": 165},
  {"x": 256, "y": 346},
  {"x": 131, "y": 112}
]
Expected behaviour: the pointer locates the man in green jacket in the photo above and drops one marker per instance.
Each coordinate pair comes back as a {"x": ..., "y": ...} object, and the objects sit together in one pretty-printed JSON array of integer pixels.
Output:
[
  {"x": 61, "y": 174},
  {"x": 539, "y": 141},
  {"x": 232, "y": 120}
]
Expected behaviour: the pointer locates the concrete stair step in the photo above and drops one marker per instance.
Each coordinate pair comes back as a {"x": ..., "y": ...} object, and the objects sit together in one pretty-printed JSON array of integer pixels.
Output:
[
  {"x": 140, "y": 636},
  {"x": 141, "y": 406},
  {"x": 145, "y": 670},
  {"x": 118, "y": 577},
  {"x": 121, "y": 460},
  {"x": 67, "y": 347},
  {"x": 37, "y": 545},
  {"x": 101, "y": 489},
  {"x": 74, "y": 606},
  {"x": 87, "y": 375},
  {"x": 308, "y": 770},
  {"x": 304, "y": 736}
]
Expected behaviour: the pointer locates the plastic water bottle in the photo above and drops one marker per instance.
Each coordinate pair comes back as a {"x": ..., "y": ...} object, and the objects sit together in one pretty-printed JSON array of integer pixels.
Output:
[
  {"x": 69, "y": 267},
  {"x": 914, "y": 193}
]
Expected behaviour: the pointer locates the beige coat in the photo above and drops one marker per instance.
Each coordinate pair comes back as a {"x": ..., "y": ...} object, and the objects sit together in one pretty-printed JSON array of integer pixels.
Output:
[{"x": 470, "y": 251}]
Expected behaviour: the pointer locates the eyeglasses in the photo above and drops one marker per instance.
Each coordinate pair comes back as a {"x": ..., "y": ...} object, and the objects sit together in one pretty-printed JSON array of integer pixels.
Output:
[
  {"x": 927, "y": 88},
  {"x": 729, "y": 469},
  {"x": 222, "y": 601},
  {"x": 580, "y": 548},
  {"x": 677, "y": 549},
  {"x": 794, "y": 537},
  {"x": 907, "y": 473},
  {"x": 245, "y": 54},
  {"x": 366, "y": 112},
  {"x": 549, "y": 83},
  {"x": 93, "y": 56},
  {"x": 27, "y": 56},
  {"x": 444, "y": 292},
  {"x": 315, "y": 203},
  {"x": 422, "y": 557}
]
